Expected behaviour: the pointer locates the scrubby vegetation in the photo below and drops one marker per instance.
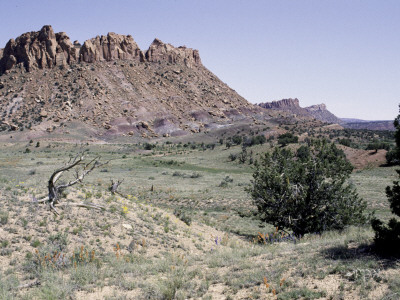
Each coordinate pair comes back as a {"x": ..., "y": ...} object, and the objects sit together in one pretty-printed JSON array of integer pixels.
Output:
[
  {"x": 306, "y": 192},
  {"x": 181, "y": 226},
  {"x": 387, "y": 237}
]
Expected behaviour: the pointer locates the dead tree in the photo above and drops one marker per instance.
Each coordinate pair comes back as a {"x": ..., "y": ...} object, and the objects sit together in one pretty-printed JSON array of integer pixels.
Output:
[
  {"x": 81, "y": 169},
  {"x": 114, "y": 186}
]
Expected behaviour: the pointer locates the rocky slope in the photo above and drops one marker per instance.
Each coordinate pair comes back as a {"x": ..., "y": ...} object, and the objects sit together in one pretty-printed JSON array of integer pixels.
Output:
[{"x": 111, "y": 85}]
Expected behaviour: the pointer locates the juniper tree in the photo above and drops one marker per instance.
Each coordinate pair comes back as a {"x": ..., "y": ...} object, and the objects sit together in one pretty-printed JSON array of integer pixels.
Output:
[
  {"x": 387, "y": 237},
  {"x": 307, "y": 191}
]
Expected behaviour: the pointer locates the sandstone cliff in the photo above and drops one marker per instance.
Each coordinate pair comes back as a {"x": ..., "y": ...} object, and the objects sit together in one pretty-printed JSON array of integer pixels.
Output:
[
  {"x": 158, "y": 51},
  {"x": 288, "y": 105},
  {"x": 46, "y": 49},
  {"x": 281, "y": 104},
  {"x": 110, "y": 47},
  {"x": 42, "y": 49}
]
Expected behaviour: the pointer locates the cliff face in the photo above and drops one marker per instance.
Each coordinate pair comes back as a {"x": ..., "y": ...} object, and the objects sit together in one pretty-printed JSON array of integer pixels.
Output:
[
  {"x": 110, "y": 47},
  {"x": 289, "y": 105},
  {"x": 158, "y": 51},
  {"x": 46, "y": 49},
  {"x": 281, "y": 104}
]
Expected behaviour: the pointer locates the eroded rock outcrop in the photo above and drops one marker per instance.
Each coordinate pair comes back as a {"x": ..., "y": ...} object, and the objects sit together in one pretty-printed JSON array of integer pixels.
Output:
[
  {"x": 281, "y": 104},
  {"x": 316, "y": 107},
  {"x": 46, "y": 49},
  {"x": 159, "y": 51},
  {"x": 110, "y": 47},
  {"x": 320, "y": 112},
  {"x": 42, "y": 49}
]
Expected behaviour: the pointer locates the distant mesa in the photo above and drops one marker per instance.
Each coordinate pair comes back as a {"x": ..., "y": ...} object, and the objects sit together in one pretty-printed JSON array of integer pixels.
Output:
[
  {"x": 282, "y": 104},
  {"x": 318, "y": 111},
  {"x": 46, "y": 49}
]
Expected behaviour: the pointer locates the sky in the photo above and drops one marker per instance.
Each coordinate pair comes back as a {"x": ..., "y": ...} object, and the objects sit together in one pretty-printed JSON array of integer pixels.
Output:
[{"x": 344, "y": 53}]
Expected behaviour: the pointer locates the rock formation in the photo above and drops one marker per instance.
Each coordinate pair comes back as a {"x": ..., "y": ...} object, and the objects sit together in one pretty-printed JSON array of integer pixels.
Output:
[
  {"x": 110, "y": 47},
  {"x": 112, "y": 87},
  {"x": 320, "y": 112},
  {"x": 46, "y": 49},
  {"x": 158, "y": 51},
  {"x": 42, "y": 49},
  {"x": 289, "y": 105},
  {"x": 281, "y": 104}
]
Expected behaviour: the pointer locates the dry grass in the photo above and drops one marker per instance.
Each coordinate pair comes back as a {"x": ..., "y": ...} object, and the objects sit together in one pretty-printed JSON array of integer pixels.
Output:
[{"x": 141, "y": 246}]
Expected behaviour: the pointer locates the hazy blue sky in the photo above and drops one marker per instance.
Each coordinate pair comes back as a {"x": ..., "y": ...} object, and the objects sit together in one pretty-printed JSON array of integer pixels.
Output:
[{"x": 342, "y": 53}]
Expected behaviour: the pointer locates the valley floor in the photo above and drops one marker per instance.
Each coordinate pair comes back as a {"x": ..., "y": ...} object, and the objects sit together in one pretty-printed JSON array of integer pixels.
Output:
[{"x": 182, "y": 227}]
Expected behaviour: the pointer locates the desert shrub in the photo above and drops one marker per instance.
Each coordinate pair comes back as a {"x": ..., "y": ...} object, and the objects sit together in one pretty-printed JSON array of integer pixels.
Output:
[
  {"x": 178, "y": 174},
  {"x": 196, "y": 175},
  {"x": 224, "y": 183},
  {"x": 287, "y": 138},
  {"x": 243, "y": 156},
  {"x": 3, "y": 217},
  {"x": 237, "y": 139},
  {"x": 345, "y": 142},
  {"x": 306, "y": 194},
  {"x": 392, "y": 157},
  {"x": 387, "y": 237},
  {"x": 210, "y": 146},
  {"x": 148, "y": 146},
  {"x": 183, "y": 216},
  {"x": 254, "y": 140},
  {"x": 376, "y": 145},
  {"x": 232, "y": 157}
]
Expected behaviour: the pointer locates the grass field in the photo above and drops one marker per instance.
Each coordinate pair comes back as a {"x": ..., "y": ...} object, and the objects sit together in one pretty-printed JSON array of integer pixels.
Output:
[{"x": 183, "y": 228}]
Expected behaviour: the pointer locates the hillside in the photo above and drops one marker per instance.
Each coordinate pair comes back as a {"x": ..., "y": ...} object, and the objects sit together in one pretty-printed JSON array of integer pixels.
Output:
[{"x": 111, "y": 86}]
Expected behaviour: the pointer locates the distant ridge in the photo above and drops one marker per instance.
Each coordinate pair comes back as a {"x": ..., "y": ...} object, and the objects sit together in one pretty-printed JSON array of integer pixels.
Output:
[
  {"x": 371, "y": 125},
  {"x": 292, "y": 105}
]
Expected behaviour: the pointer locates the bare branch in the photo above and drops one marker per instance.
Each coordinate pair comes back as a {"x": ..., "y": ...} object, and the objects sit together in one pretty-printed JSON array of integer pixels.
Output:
[
  {"x": 114, "y": 186},
  {"x": 29, "y": 284},
  {"x": 80, "y": 173},
  {"x": 85, "y": 205}
]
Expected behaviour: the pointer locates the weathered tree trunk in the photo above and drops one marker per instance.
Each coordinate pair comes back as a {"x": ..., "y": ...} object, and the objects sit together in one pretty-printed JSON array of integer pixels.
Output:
[{"x": 53, "y": 196}]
